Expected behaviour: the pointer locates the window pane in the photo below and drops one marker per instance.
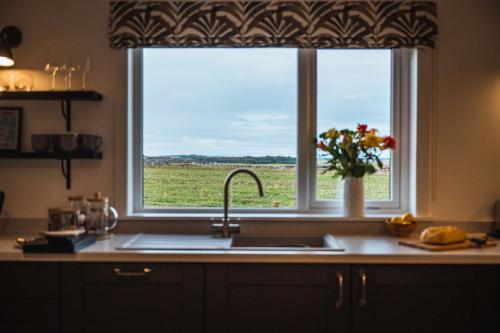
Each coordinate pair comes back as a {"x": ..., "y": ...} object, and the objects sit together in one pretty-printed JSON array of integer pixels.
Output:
[
  {"x": 354, "y": 86},
  {"x": 208, "y": 111}
]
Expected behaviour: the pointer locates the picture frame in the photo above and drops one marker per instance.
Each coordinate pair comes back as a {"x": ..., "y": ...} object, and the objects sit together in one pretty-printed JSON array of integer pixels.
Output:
[{"x": 11, "y": 119}]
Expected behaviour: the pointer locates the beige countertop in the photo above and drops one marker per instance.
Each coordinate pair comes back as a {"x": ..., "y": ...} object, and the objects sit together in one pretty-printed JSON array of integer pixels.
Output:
[{"x": 358, "y": 250}]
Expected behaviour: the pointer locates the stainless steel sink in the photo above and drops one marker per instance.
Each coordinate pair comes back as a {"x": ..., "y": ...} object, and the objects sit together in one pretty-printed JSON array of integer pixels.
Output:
[
  {"x": 149, "y": 242},
  {"x": 285, "y": 243}
]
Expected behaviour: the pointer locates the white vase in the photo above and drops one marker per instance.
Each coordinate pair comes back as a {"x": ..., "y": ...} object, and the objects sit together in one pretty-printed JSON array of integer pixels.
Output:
[{"x": 354, "y": 197}]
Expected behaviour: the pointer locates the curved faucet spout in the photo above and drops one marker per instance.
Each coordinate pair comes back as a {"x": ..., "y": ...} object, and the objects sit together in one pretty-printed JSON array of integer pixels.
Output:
[
  {"x": 225, "y": 228},
  {"x": 233, "y": 173}
]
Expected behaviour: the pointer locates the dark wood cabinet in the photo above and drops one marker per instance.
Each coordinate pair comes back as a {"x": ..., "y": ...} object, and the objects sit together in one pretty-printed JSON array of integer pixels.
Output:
[
  {"x": 495, "y": 287},
  {"x": 278, "y": 298},
  {"x": 422, "y": 298},
  {"x": 29, "y": 297},
  {"x": 136, "y": 298},
  {"x": 247, "y": 298}
]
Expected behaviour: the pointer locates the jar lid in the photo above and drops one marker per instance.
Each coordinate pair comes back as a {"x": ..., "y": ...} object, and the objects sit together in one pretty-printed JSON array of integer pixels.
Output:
[
  {"x": 54, "y": 210},
  {"x": 68, "y": 210},
  {"x": 98, "y": 197},
  {"x": 76, "y": 198}
]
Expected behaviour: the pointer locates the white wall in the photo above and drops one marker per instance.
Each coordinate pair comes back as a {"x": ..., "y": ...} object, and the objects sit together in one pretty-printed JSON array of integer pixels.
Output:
[
  {"x": 32, "y": 186},
  {"x": 466, "y": 168},
  {"x": 467, "y": 128}
]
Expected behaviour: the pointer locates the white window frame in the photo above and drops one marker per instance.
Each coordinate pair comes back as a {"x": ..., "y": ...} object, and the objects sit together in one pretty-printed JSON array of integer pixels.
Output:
[{"x": 306, "y": 154}]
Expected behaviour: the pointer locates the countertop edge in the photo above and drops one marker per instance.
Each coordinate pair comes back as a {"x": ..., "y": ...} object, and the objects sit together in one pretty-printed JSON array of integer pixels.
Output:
[
  {"x": 359, "y": 249},
  {"x": 255, "y": 258}
]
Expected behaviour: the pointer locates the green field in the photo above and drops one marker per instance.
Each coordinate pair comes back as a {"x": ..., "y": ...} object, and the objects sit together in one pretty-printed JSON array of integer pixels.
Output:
[{"x": 202, "y": 186}]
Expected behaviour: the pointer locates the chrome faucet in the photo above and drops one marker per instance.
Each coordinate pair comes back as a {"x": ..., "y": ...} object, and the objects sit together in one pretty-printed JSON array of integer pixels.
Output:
[{"x": 225, "y": 228}]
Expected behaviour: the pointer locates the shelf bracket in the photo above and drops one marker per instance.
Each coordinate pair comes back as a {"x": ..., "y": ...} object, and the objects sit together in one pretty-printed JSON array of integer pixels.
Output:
[
  {"x": 66, "y": 171},
  {"x": 66, "y": 112}
]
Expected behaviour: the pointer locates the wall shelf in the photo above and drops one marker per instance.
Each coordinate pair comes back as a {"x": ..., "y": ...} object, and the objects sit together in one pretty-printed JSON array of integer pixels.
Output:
[
  {"x": 65, "y": 98},
  {"x": 51, "y": 155},
  {"x": 52, "y": 95},
  {"x": 65, "y": 159}
]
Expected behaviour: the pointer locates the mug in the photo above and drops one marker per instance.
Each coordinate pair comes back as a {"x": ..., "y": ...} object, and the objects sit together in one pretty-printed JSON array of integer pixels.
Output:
[
  {"x": 41, "y": 142},
  {"x": 65, "y": 143},
  {"x": 89, "y": 143},
  {"x": 62, "y": 219}
]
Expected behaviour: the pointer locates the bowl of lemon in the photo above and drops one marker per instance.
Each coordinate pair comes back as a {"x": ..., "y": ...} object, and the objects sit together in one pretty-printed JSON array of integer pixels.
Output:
[{"x": 401, "y": 226}]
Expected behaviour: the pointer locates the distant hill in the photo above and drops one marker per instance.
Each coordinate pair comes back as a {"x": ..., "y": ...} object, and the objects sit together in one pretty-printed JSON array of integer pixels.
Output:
[{"x": 202, "y": 159}]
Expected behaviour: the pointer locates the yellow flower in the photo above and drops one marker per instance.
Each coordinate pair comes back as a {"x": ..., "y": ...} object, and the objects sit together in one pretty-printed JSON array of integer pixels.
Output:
[
  {"x": 372, "y": 141},
  {"x": 332, "y": 133}
]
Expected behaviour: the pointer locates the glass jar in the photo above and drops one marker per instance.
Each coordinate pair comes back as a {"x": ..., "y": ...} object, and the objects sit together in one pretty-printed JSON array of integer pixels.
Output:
[
  {"x": 62, "y": 219},
  {"x": 54, "y": 222},
  {"x": 82, "y": 206},
  {"x": 101, "y": 218}
]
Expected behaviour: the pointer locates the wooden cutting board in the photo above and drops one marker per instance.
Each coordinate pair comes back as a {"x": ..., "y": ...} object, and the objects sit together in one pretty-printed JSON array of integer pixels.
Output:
[{"x": 416, "y": 243}]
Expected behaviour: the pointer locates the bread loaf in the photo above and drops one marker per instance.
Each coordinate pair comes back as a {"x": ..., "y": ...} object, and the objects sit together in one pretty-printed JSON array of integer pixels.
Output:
[{"x": 442, "y": 235}]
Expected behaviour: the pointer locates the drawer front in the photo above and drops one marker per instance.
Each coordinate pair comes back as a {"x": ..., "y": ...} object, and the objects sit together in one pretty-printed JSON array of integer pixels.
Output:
[
  {"x": 29, "y": 280},
  {"x": 121, "y": 273},
  {"x": 123, "y": 297}
]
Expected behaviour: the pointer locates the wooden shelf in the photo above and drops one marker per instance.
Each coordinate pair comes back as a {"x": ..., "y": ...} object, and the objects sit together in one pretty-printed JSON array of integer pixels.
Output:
[
  {"x": 57, "y": 95},
  {"x": 65, "y": 97},
  {"x": 65, "y": 159},
  {"x": 51, "y": 155}
]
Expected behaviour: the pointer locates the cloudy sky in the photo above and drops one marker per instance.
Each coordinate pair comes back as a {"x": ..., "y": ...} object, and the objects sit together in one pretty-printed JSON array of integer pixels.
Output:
[{"x": 238, "y": 102}]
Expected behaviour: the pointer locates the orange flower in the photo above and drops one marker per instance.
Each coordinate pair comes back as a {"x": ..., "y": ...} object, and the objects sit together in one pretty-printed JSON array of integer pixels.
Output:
[
  {"x": 321, "y": 145},
  {"x": 389, "y": 142}
]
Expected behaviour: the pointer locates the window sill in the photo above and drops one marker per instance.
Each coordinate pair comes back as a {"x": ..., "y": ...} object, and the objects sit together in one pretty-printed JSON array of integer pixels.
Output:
[{"x": 246, "y": 217}]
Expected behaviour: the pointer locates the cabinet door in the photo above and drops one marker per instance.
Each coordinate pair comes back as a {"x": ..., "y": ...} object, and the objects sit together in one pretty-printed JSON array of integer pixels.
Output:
[
  {"x": 421, "y": 298},
  {"x": 143, "y": 298},
  {"x": 277, "y": 298},
  {"x": 496, "y": 293},
  {"x": 29, "y": 297}
]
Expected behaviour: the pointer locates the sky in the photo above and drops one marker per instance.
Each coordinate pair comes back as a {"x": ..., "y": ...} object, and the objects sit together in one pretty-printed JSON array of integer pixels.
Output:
[{"x": 243, "y": 102}]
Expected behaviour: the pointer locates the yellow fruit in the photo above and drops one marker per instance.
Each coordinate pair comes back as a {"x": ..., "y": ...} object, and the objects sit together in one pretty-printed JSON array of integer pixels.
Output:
[
  {"x": 408, "y": 217},
  {"x": 396, "y": 219}
]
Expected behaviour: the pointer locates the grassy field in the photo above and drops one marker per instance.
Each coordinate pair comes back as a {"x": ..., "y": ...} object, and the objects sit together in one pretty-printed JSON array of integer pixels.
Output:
[{"x": 202, "y": 186}]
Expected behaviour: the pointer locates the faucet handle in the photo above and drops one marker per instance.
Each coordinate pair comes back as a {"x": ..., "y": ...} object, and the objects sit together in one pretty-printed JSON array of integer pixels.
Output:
[
  {"x": 225, "y": 230},
  {"x": 234, "y": 228}
]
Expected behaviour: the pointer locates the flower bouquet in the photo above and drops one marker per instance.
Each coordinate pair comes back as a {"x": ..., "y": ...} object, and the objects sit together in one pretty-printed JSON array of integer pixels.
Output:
[{"x": 354, "y": 154}]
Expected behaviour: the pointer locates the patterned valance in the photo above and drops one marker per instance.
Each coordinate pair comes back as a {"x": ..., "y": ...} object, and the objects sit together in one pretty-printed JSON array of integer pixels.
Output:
[{"x": 311, "y": 24}]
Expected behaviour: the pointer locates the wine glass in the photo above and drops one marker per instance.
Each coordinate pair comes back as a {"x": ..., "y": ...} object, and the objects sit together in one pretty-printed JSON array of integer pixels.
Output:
[
  {"x": 68, "y": 70},
  {"x": 51, "y": 68},
  {"x": 86, "y": 70}
]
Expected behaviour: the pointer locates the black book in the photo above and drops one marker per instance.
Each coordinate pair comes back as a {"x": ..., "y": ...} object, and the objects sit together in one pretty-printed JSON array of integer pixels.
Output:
[{"x": 71, "y": 244}]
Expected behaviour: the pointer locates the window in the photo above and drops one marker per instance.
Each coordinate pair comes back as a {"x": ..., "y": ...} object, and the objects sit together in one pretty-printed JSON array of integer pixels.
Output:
[
  {"x": 199, "y": 113},
  {"x": 208, "y": 111}
]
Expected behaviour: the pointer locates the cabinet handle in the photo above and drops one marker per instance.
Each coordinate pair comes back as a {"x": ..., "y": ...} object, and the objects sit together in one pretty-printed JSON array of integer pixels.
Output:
[
  {"x": 362, "y": 301},
  {"x": 340, "y": 281},
  {"x": 120, "y": 273}
]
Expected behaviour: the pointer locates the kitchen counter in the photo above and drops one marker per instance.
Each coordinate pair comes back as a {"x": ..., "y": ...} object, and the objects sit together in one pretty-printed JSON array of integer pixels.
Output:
[{"x": 358, "y": 250}]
